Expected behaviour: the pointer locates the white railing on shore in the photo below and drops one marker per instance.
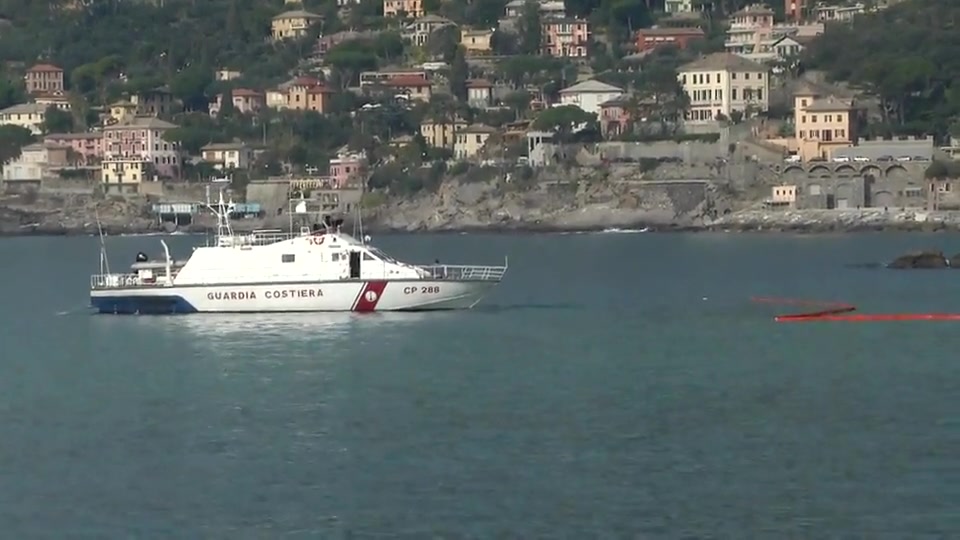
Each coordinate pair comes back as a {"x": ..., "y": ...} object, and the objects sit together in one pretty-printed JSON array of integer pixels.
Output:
[
  {"x": 465, "y": 272},
  {"x": 118, "y": 281}
]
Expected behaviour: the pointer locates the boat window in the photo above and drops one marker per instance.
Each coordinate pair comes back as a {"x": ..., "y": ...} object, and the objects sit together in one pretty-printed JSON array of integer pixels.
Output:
[
  {"x": 287, "y": 257},
  {"x": 368, "y": 257},
  {"x": 335, "y": 257}
]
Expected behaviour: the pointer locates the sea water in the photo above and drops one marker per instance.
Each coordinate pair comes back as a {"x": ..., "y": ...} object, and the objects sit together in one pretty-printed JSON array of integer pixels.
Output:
[{"x": 614, "y": 385}]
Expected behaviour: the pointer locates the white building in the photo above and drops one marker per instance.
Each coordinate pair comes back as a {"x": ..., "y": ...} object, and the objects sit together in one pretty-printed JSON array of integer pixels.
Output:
[
  {"x": 588, "y": 95},
  {"x": 721, "y": 83},
  {"x": 26, "y": 115},
  {"x": 226, "y": 156},
  {"x": 31, "y": 165}
]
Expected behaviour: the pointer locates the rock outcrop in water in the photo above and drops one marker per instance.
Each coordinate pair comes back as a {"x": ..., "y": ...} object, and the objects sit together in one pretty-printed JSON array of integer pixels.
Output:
[{"x": 920, "y": 259}]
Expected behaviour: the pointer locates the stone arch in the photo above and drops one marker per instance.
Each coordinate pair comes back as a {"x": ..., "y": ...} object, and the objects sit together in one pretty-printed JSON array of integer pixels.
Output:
[
  {"x": 871, "y": 170},
  {"x": 883, "y": 199},
  {"x": 844, "y": 196},
  {"x": 820, "y": 170},
  {"x": 898, "y": 171},
  {"x": 793, "y": 169},
  {"x": 846, "y": 170}
]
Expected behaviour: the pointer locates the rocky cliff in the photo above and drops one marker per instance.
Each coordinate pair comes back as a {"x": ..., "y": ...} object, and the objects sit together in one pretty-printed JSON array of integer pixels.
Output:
[{"x": 577, "y": 200}]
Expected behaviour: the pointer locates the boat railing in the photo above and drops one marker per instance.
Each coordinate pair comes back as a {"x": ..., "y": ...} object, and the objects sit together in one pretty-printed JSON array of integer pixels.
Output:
[
  {"x": 465, "y": 272},
  {"x": 121, "y": 281},
  {"x": 257, "y": 238}
]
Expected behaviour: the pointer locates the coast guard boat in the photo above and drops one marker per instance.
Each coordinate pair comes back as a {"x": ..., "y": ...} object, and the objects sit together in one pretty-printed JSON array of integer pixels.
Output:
[{"x": 317, "y": 268}]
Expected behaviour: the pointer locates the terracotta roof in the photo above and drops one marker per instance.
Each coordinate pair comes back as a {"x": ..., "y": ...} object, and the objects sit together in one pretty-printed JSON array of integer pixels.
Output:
[
  {"x": 723, "y": 62},
  {"x": 407, "y": 81},
  {"x": 320, "y": 89},
  {"x": 74, "y": 136},
  {"x": 246, "y": 92},
  {"x": 43, "y": 68},
  {"x": 304, "y": 81}
]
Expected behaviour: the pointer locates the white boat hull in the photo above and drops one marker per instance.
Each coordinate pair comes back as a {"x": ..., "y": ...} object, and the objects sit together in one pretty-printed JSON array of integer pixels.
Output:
[{"x": 344, "y": 295}]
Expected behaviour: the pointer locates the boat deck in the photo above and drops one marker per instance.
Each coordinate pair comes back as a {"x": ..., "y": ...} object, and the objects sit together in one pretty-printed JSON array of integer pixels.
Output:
[{"x": 442, "y": 272}]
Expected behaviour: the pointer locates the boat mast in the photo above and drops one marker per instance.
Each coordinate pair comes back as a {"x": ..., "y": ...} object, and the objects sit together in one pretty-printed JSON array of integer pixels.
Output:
[{"x": 104, "y": 261}]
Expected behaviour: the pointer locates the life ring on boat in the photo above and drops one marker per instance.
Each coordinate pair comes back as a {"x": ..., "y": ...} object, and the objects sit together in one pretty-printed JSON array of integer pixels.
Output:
[{"x": 316, "y": 239}]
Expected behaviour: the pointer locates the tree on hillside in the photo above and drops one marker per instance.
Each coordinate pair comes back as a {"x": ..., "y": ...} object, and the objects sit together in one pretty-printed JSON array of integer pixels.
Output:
[
  {"x": 11, "y": 91},
  {"x": 564, "y": 120},
  {"x": 57, "y": 121},
  {"x": 443, "y": 42},
  {"x": 349, "y": 59},
  {"x": 12, "y": 139},
  {"x": 530, "y": 29},
  {"x": 905, "y": 56},
  {"x": 458, "y": 74}
]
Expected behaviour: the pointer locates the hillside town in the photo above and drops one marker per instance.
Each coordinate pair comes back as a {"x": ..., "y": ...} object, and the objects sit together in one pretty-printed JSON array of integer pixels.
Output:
[{"x": 364, "y": 103}]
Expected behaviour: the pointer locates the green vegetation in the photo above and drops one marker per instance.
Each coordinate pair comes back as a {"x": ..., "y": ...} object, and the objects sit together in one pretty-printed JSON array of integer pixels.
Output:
[{"x": 906, "y": 56}]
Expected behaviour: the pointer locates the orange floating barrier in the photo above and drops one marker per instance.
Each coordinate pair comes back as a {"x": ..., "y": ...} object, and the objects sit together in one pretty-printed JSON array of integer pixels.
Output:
[{"x": 842, "y": 312}]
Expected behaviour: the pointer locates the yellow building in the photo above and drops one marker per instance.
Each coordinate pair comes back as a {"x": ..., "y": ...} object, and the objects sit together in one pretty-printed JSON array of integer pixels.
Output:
[
  {"x": 293, "y": 24},
  {"x": 122, "y": 110},
  {"x": 26, "y": 115},
  {"x": 822, "y": 122},
  {"x": 721, "y": 83},
  {"x": 124, "y": 175},
  {"x": 441, "y": 133},
  {"x": 476, "y": 41},
  {"x": 407, "y": 8},
  {"x": 471, "y": 140}
]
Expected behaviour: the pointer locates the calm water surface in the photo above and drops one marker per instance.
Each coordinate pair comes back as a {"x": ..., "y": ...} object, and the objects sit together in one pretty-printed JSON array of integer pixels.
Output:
[{"x": 614, "y": 386}]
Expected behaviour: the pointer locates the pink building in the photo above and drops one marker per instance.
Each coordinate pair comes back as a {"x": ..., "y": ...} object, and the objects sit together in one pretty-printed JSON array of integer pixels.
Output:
[
  {"x": 245, "y": 101},
  {"x": 347, "y": 170},
  {"x": 87, "y": 147},
  {"x": 614, "y": 118},
  {"x": 565, "y": 37},
  {"x": 141, "y": 138}
]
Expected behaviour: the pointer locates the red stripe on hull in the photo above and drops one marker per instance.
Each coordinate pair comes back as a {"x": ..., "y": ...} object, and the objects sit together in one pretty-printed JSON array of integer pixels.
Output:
[{"x": 369, "y": 296}]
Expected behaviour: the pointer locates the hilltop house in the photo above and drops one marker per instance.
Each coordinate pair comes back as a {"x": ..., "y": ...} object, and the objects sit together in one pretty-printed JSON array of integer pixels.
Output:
[
  {"x": 720, "y": 84},
  {"x": 292, "y": 24},
  {"x": 43, "y": 78},
  {"x": 226, "y": 156},
  {"x": 588, "y": 95},
  {"x": 471, "y": 140},
  {"x": 418, "y": 32},
  {"x": 26, "y": 115},
  {"x": 476, "y": 41},
  {"x": 648, "y": 39},
  {"x": 441, "y": 133},
  {"x": 407, "y": 8},
  {"x": 823, "y": 122},
  {"x": 565, "y": 37},
  {"x": 86, "y": 148},
  {"x": 244, "y": 100},
  {"x": 135, "y": 147}
]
